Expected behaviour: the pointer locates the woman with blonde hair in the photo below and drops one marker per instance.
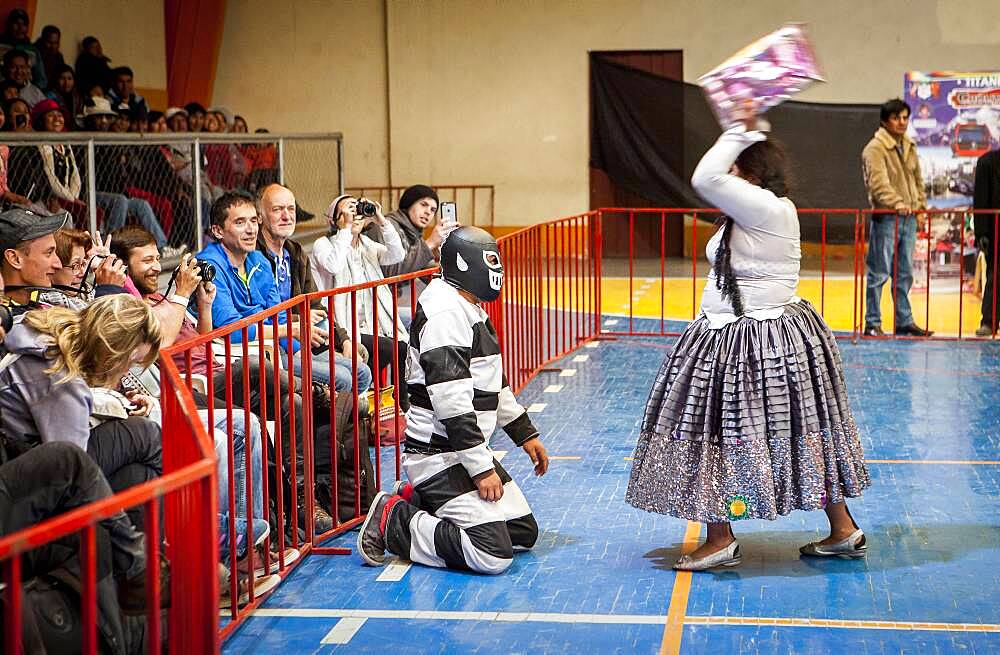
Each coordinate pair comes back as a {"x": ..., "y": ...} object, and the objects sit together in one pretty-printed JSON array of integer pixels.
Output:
[{"x": 55, "y": 357}]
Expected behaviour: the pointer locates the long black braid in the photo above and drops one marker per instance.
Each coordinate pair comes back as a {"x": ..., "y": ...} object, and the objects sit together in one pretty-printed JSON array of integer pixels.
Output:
[
  {"x": 725, "y": 281},
  {"x": 764, "y": 163}
]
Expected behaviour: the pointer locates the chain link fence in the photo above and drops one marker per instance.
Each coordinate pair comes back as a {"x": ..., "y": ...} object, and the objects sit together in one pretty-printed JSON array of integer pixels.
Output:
[{"x": 166, "y": 182}]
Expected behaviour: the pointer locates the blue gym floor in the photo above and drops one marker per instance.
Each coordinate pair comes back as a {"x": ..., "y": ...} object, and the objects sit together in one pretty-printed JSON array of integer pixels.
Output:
[{"x": 599, "y": 579}]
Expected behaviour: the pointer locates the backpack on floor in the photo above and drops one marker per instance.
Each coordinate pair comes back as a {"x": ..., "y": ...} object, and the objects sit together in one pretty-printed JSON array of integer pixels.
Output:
[{"x": 345, "y": 463}]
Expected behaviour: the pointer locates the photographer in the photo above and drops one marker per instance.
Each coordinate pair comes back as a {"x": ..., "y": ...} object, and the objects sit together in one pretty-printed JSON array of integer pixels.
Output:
[{"x": 348, "y": 257}]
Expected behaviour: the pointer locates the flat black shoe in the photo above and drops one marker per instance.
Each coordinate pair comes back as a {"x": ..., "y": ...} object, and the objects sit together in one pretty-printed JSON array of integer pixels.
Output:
[
  {"x": 874, "y": 331},
  {"x": 913, "y": 331}
]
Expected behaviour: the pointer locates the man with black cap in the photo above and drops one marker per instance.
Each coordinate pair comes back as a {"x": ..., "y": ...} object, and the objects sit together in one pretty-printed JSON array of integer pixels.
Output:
[
  {"x": 417, "y": 208},
  {"x": 460, "y": 508},
  {"x": 29, "y": 259}
]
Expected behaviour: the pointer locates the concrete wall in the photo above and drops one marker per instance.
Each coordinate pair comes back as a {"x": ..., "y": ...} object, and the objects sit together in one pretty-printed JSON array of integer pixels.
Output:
[{"x": 496, "y": 91}]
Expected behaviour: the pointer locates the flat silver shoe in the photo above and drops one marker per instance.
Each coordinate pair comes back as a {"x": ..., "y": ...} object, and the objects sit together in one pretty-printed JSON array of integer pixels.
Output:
[
  {"x": 853, "y": 547},
  {"x": 728, "y": 556}
]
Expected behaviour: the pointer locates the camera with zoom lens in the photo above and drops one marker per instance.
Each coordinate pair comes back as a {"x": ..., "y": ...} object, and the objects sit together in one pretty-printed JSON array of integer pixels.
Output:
[
  {"x": 207, "y": 269},
  {"x": 365, "y": 207}
]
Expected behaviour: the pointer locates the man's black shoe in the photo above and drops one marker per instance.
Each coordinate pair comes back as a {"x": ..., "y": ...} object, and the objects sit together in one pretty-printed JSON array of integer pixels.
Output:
[
  {"x": 874, "y": 331},
  {"x": 912, "y": 331}
]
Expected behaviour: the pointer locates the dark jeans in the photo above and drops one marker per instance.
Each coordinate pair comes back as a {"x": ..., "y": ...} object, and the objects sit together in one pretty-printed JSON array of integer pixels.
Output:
[
  {"x": 385, "y": 359},
  {"x": 54, "y": 478},
  {"x": 890, "y": 254},
  {"x": 987, "y": 245},
  {"x": 129, "y": 452}
]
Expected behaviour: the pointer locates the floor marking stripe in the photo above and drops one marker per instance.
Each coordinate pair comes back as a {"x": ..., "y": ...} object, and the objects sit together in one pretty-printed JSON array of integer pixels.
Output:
[
  {"x": 343, "y": 630},
  {"x": 567, "y": 372},
  {"x": 581, "y": 358},
  {"x": 592, "y": 344},
  {"x": 842, "y": 623},
  {"x": 622, "y": 619},
  {"x": 535, "y": 408},
  {"x": 677, "y": 611},
  {"x": 500, "y": 454},
  {"x": 959, "y": 462},
  {"x": 394, "y": 571},
  {"x": 971, "y": 462},
  {"x": 553, "y": 388}
]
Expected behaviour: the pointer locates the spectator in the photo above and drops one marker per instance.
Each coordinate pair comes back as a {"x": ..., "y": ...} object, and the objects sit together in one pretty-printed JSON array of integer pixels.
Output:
[
  {"x": 212, "y": 124},
  {"x": 112, "y": 178},
  {"x": 73, "y": 480},
  {"x": 7, "y": 197},
  {"x": 9, "y": 90},
  {"x": 17, "y": 69},
  {"x": 157, "y": 122},
  {"x": 986, "y": 195},
  {"x": 92, "y": 66},
  {"x": 177, "y": 119},
  {"x": 62, "y": 183},
  {"x": 892, "y": 176},
  {"x": 123, "y": 90},
  {"x": 25, "y": 173},
  {"x": 417, "y": 208},
  {"x": 47, "y": 46},
  {"x": 196, "y": 116},
  {"x": 136, "y": 247},
  {"x": 45, "y": 395},
  {"x": 17, "y": 37},
  {"x": 64, "y": 91},
  {"x": 247, "y": 286},
  {"x": 71, "y": 248},
  {"x": 138, "y": 121},
  {"x": 240, "y": 125},
  {"x": 293, "y": 274},
  {"x": 347, "y": 258},
  {"x": 226, "y": 167},
  {"x": 122, "y": 119}
]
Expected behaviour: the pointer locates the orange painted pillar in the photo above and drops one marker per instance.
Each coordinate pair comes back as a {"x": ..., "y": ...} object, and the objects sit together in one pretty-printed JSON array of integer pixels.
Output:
[{"x": 193, "y": 31}]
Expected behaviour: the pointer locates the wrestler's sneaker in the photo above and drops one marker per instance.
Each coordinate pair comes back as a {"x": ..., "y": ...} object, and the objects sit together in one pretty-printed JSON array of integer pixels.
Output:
[
  {"x": 371, "y": 538},
  {"x": 404, "y": 489}
]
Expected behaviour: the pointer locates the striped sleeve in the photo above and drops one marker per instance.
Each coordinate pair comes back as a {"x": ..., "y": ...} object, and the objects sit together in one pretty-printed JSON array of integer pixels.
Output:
[
  {"x": 445, "y": 354},
  {"x": 513, "y": 418}
]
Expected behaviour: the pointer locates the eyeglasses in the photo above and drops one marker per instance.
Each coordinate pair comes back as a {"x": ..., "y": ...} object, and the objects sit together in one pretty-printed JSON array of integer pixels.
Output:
[{"x": 76, "y": 266}]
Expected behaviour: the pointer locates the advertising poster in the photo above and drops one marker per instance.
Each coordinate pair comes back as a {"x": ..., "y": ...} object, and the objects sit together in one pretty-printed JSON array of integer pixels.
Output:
[{"x": 955, "y": 120}]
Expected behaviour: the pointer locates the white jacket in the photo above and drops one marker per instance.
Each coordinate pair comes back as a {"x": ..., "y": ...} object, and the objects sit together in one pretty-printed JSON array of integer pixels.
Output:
[{"x": 338, "y": 263}]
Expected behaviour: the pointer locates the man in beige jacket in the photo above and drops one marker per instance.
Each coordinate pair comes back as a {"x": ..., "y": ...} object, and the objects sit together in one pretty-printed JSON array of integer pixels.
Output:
[{"x": 892, "y": 176}]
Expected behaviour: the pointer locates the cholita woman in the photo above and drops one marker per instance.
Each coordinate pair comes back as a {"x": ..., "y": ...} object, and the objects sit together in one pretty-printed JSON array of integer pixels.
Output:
[{"x": 748, "y": 417}]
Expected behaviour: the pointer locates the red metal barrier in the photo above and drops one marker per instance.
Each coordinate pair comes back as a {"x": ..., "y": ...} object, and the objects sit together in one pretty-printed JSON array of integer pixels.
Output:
[
  {"x": 187, "y": 492},
  {"x": 818, "y": 265},
  {"x": 278, "y": 389}
]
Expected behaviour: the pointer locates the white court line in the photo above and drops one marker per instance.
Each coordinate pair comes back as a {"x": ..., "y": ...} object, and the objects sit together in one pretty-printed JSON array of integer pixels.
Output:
[
  {"x": 536, "y": 408},
  {"x": 567, "y": 372},
  {"x": 592, "y": 344},
  {"x": 553, "y": 388},
  {"x": 344, "y": 630},
  {"x": 624, "y": 619},
  {"x": 581, "y": 358},
  {"x": 500, "y": 454},
  {"x": 611, "y": 321},
  {"x": 394, "y": 571}
]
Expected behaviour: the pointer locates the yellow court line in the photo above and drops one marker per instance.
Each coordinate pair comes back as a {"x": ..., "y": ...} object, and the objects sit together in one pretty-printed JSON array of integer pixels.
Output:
[
  {"x": 841, "y": 623},
  {"x": 676, "y": 612}
]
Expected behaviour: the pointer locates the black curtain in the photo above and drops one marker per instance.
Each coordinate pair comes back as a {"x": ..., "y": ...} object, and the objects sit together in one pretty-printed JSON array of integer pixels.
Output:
[{"x": 635, "y": 140}]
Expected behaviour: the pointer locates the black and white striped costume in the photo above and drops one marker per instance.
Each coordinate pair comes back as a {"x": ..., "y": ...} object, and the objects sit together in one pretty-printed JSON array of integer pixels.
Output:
[{"x": 458, "y": 396}]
